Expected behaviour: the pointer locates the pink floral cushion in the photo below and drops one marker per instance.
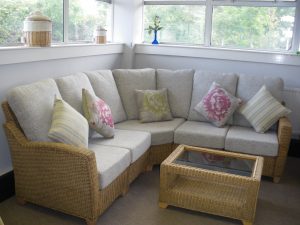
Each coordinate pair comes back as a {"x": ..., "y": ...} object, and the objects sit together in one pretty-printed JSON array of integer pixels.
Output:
[
  {"x": 98, "y": 114},
  {"x": 217, "y": 105}
]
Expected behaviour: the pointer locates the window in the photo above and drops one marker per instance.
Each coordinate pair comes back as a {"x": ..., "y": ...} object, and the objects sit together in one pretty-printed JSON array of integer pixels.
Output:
[
  {"x": 244, "y": 24},
  {"x": 78, "y": 23},
  {"x": 85, "y": 16},
  {"x": 182, "y": 23},
  {"x": 253, "y": 27}
]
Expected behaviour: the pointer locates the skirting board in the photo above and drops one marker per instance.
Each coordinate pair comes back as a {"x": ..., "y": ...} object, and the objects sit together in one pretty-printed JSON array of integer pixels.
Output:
[
  {"x": 7, "y": 183},
  {"x": 7, "y": 186}
]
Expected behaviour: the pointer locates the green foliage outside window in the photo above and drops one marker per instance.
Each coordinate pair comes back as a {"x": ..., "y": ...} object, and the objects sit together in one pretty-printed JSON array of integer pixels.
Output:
[{"x": 84, "y": 16}]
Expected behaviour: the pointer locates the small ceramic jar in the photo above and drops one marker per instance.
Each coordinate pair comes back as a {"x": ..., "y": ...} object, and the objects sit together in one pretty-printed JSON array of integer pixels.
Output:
[
  {"x": 100, "y": 35},
  {"x": 37, "y": 31}
]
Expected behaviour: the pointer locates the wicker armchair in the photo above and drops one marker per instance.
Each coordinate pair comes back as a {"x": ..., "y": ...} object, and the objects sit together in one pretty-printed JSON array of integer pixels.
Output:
[{"x": 43, "y": 175}]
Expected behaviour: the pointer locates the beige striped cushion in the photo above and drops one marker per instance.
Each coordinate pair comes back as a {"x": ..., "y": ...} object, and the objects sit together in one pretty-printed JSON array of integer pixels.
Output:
[
  {"x": 263, "y": 110},
  {"x": 68, "y": 126}
]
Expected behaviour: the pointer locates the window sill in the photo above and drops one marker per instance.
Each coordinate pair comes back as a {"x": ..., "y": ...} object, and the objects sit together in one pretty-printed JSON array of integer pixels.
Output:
[
  {"x": 218, "y": 53},
  {"x": 12, "y": 55}
]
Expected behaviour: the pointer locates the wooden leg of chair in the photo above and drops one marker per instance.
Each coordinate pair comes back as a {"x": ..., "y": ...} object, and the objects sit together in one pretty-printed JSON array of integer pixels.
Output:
[
  {"x": 162, "y": 205},
  {"x": 149, "y": 168},
  {"x": 21, "y": 201},
  {"x": 276, "y": 180},
  {"x": 125, "y": 191},
  {"x": 91, "y": 221},
  {"x": 247, "y": 222}
]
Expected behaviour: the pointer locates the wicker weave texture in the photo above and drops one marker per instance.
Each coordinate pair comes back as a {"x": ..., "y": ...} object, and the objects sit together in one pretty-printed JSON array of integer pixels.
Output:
[
  {"x": 139, "y": 166},
  {"x": 71, "y": 186},
  {"x": 209, "y": 191}
]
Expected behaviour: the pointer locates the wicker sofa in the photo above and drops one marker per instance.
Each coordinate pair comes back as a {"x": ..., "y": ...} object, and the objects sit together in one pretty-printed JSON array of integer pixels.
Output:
[{"x": 85, "y": 182}]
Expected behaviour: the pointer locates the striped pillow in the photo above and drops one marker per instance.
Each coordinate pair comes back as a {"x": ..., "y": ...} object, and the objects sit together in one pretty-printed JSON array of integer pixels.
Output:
[
  {"x": 263, "y": 110},
  {"x": 68, "y": 126}
]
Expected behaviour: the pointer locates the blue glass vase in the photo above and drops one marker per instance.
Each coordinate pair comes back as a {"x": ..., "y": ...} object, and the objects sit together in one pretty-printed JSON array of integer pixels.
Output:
[{"x": 155, "y": 42}]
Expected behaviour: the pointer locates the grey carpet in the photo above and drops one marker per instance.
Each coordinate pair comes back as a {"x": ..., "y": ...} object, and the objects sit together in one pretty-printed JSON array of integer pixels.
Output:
[{"x": 277, "y": 204}]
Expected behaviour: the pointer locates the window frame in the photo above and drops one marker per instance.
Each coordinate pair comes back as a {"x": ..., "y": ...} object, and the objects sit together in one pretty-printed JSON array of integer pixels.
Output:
[{"x": 210, "y": 4}]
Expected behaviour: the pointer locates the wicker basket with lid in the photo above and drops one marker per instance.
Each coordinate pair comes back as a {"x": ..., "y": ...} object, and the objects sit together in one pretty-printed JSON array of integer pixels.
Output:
[
  {"x": 37, "y": 30},
  {"x": 100, "y": 35}
]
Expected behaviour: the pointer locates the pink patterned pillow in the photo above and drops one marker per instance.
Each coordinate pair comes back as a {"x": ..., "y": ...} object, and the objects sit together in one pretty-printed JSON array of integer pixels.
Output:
[
  {"x": 98, "y": 114},
  {"x": 217, "y": 105}
]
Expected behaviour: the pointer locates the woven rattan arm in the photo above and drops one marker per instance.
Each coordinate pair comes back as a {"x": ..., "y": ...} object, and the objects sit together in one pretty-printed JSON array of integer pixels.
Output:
[
  {"x": 55, "y": 175},
  {"x": 284, "y": 139}
]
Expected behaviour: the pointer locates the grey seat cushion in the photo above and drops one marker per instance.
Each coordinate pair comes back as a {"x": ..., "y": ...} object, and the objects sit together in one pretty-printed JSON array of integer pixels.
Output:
[
  {"x": 202, "y": 82},
  {"x": 128, "y": 81},
  {"x": 111, "y": 162},
  {"x": 249, "y": 85},
  {"x": 246, "y": 140},
  {"x": 180, "y": 85},
  {"x": 200, "y": 134},
  {"x": 71, "y": 87},
  {"x": 161, "y": 132},
  {"x": 137, "y": 142},
  {"x": 105, "y": 88},
  {"x": 33, "y": 106}
]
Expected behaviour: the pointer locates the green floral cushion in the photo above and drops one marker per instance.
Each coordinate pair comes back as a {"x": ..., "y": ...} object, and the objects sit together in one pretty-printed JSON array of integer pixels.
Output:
[{"x": 153, "y": 105}]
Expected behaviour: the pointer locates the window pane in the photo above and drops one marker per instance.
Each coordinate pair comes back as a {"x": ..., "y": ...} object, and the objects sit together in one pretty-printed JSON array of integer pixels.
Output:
[
  {"x": 269, "y": 28},
  {"x": 181, "y": 23},
  {"x": 85, "y": 16},
  {"x": 13, "y": 13}
]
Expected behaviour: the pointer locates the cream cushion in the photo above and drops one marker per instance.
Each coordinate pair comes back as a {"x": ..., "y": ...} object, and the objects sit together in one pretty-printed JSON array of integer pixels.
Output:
[
  {"x": 68, "y": 126},
  {"x": 180, "y": 85},
  {"x": 202, "y": 83},
  {"x": 263, "y": 110},
  {"x": 161, "y": 132},
  {"x": 71, "y": 87},
  {"x": 246, "y": 140},
  {"x": 105, "y": 88},
  {"x": 249, "y": 85},
  {"x": 153, "y": 105},
  {"x": 111, "y": 162},
  {"x": 33, "y": 106},
  {"x": 136, "y": 142},
  {"x": 130, "y": 80},
  {"x": 202, "y": 134}
]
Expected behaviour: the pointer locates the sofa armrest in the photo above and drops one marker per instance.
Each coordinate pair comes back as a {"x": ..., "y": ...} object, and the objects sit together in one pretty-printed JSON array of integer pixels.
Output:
[
  {"x": 55, "y": 175},
  {"x": 284, "y": 138},
  {"x": 284, "y": 135}
]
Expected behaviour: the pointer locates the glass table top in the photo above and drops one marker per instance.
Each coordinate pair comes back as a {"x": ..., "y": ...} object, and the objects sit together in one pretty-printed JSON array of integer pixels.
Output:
[{"x": 216, "y": 162}]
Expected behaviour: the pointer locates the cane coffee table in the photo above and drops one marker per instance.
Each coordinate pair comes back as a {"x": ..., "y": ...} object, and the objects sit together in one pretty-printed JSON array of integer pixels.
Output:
[{"x": 211, "y": 181}]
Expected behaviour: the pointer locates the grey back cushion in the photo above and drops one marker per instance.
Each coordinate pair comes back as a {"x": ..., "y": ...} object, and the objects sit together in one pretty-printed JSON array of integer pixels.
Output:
[
  {"x": 128, "y": 81},
  {"x": 202, "y": 82},
  {"x": 249, "y": 85},
  {"x": 105, "y": 88},
  {"x": 180, "y": 85},
  {"x": 71, "y": 87},
  {"x": 33, "y": 106}
]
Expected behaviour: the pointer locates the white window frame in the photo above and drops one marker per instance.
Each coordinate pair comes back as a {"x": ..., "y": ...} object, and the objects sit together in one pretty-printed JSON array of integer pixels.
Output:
[{"x": 295, "y": 45}]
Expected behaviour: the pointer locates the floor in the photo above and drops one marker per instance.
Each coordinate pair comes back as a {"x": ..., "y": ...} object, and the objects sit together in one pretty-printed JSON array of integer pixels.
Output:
[{"x": 277, "y": 204}]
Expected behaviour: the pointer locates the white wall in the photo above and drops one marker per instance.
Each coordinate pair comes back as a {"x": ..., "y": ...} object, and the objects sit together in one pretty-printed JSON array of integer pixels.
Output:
[
  {"x": 128, "y": 25},
  {"x": 289, "y": 73},
  {"x": 16, "y": 74}
]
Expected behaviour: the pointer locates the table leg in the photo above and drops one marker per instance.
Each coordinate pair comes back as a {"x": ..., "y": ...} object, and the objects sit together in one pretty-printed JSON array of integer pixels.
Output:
[
  {"x": 247, "y": 222},
  {"x": 162, "y": 205}
]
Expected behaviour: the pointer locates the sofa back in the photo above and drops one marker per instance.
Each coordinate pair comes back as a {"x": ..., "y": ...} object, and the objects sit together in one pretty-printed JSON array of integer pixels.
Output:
[
  {"x": 129, "y": 80},
  {"x": 105, "y": 88},
  {"x": 179, "y": 84},
  {"x": 249, "y": 85},
  {"x": 202, "y": 82},
  {"x": 32, "y": 105}
]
